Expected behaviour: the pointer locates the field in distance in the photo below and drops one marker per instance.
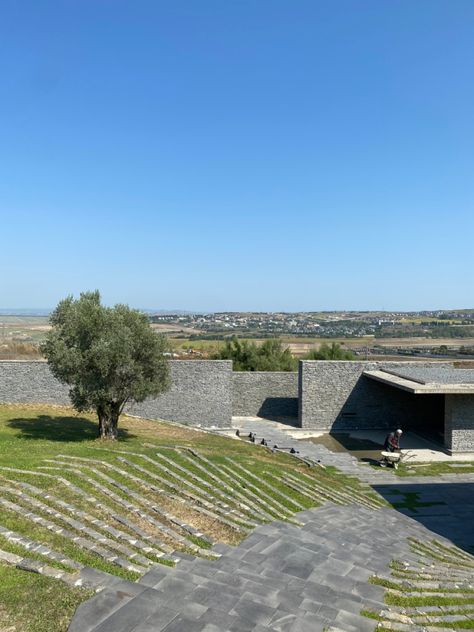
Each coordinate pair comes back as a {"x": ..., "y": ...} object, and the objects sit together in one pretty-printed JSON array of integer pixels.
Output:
[{"x": 21, "y": 335}]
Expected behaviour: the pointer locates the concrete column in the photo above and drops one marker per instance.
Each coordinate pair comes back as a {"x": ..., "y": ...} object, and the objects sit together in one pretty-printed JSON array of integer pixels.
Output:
[{"x": 459, "y": 423}]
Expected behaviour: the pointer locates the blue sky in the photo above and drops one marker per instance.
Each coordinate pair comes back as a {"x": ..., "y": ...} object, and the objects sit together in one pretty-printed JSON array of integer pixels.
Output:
[{"x": 247, "y": 154}]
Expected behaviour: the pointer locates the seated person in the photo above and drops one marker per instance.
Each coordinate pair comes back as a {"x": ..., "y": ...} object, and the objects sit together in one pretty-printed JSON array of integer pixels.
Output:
[{"x": 392, "y": 441}]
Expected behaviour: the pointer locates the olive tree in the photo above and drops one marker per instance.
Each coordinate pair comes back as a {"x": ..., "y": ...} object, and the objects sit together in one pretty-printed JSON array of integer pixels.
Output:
[{"x": 109, "y": 356}]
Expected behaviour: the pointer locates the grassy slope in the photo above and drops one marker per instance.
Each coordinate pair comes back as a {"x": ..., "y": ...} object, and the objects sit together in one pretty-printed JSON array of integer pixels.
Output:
[
  {"x": 29, "y": 434},
  {"x": 30, "y": 603}
]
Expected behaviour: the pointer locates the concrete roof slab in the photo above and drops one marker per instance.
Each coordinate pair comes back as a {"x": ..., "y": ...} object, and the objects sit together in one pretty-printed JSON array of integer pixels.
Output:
[{"x": 418, "y": 382}]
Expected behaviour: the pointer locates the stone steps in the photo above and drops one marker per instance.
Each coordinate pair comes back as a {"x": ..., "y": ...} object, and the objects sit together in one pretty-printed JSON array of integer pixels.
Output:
[
  {"x": 167, "y": 516},
  {"x": 82, "y": 542},
  {"x": 281, "y": 577},
  {"x": 233, "y": 518},
  {"x": 160, "y": 548},
  {"x": 38, "y": 548},
  {"x": 34, "y": 566},
  {"x": 81, "y": 526}
]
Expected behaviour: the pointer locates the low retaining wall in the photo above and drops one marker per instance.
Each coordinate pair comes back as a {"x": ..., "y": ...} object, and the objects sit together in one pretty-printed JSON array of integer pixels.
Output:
[
  {"x": 200, "y": 394},
  {"x": 265, "y": 394}
]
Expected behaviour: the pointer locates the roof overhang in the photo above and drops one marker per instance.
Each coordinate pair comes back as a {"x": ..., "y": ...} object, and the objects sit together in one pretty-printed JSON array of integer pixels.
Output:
[{"x": 418, "y": 388}]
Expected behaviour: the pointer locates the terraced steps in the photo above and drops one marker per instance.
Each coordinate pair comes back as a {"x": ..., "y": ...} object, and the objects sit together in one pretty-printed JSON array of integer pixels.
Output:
[
  {"x": 126, "y": 508},
  {"x": 443, "y": 574}
]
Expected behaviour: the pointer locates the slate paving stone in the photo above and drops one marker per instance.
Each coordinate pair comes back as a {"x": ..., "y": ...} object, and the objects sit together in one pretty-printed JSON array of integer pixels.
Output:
[
  {"x": 251, "y": 612},
  {"x": 157, "y": 621},
  {"x": 328, "y": 612},
  {"x": 192, "y": 609},
  {"x": 298, "y": 568},
  {"x": 347, "y": 621},
  {"x": 154, "y": 576},
  {"x": 309, "y": 622},
  {"x": 282, "y": 621},
  {"x": 137, "y": 608},
  {"x": 310, "y": 605},
  {"x": 103, "y": 605},
  {"x": 184, "y": 624},
  {"x": 175, "y": 586},
  {"x": 269, "y": 600},
  {"x": 289, "y": 600},
  {"x": 222, "y": 619},
  {"x": 217, "y": 599}
]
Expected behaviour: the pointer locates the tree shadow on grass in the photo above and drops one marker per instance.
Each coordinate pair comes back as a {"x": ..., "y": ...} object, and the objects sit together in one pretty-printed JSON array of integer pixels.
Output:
[{"x": 50, "y": 428}]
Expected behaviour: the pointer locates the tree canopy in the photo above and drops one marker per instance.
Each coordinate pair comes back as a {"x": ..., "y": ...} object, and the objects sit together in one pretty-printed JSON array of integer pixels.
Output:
[
  {"x": 109, "y": 356},
  {"x": 334, "y": 351},
  {"x": 248, "y": 356}
]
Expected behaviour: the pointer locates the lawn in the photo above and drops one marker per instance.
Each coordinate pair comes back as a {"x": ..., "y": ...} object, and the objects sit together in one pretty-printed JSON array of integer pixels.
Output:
[
  {"x": 31, "y": 603},
  {"x": 433, "y": 469}
]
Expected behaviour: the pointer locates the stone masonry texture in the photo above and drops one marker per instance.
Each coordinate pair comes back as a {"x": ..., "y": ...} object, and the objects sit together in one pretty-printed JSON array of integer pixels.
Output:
[
  {"x": 201, "y": 391},
  {"x": 200, "y": 395},
  {"x": 265, "y": 394},
  {"x": 30, "y": 382},
  {"x": 337, "y": 396},
  {"x": 332, "y": 396},
  {"x": 459, "y": 423}
]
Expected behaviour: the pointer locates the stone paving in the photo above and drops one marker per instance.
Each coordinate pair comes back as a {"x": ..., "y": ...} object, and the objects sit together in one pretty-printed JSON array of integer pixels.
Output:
[
  {"x": 282, "y": 577},
  {"x": 296, "y": 578},
  {"x": 274, "y": 433}
]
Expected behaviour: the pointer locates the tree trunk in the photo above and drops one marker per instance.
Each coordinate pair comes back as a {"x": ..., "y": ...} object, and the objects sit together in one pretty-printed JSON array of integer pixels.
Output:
[{"x": 108, "y": 415}]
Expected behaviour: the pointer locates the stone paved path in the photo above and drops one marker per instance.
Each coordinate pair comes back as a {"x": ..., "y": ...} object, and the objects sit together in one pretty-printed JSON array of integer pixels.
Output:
[
  {"x": 281, "y": 578},
  {"x": 288, "y": 578},
  {"x": 274, "y": 433}
]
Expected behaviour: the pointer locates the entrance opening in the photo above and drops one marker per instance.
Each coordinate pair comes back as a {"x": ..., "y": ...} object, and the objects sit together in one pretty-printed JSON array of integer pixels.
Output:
[{"x": 429, "y": 417}]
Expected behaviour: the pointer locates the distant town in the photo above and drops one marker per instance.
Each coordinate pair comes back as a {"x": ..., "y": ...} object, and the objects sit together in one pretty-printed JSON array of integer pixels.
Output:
[
  {"x": 457, "y": 324},
  {"x": 434, "y": 334}
]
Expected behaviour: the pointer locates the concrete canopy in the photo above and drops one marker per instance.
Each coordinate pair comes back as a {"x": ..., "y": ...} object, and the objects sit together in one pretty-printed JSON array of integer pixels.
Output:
[{"x": 427, "y": 381}]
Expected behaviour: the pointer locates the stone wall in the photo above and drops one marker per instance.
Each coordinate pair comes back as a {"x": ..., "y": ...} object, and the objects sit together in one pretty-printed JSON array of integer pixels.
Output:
[
  {"x": 30, "y": 382},
  {"x": 459, "y": 423},
  {"x": 333, "y": 396},
  {"x": 200, "y": 395},
  {"x": 265, "y": 394},
  {"x": 336, "y": 396},
  {"x": 201, "y": 391}
]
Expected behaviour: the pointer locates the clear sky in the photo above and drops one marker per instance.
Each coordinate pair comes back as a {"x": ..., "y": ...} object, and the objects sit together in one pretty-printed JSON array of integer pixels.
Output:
[{"x": 238, "y": 154}]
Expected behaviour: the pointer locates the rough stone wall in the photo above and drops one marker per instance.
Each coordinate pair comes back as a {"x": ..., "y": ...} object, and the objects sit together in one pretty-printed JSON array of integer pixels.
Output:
[
  {"x": 30, "y": 382},
  {"x": 336, "y": 396},
  {"x": 200, "y": 395},
  {"x": 265, "y": 394},
  {"x": 459, "y": 423},
  {"x": 201, "y": 391}
]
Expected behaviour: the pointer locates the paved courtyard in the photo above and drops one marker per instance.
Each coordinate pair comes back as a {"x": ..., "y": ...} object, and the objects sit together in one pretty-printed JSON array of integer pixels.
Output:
[{"x": 307, "y": 578}]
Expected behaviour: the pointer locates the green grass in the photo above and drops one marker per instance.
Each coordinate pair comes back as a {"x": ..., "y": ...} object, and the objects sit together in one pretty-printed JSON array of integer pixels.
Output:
[
  {"x": 410, "y": 595},
  {"x": 31, "y": 603},
  {"x": 414, "y": 469}
]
